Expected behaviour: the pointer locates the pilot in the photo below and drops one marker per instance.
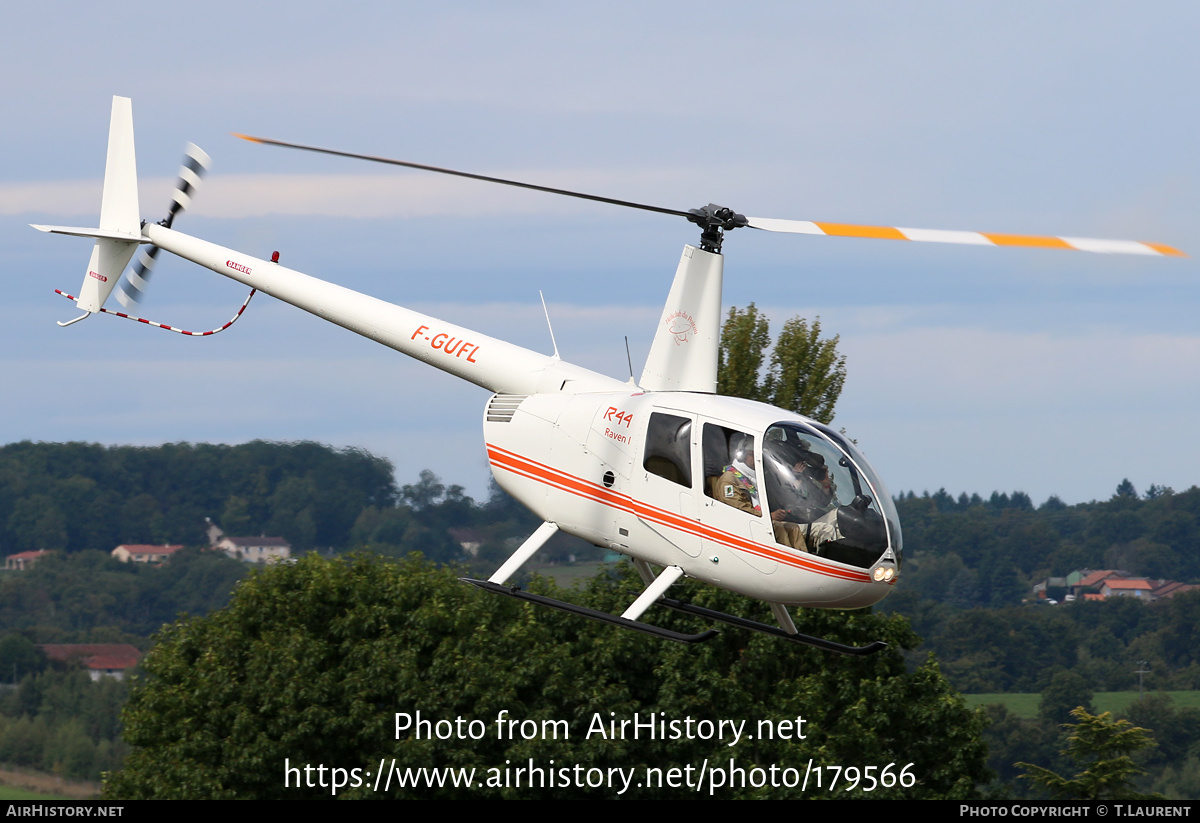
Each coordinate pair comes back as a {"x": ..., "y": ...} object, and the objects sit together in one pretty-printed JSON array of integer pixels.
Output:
[
  {"x": 819, "y": 486},
  {"x": 788, "y": 533},
  {"x": 812, "y": 520},
  {"x": 821, "y": 516}
]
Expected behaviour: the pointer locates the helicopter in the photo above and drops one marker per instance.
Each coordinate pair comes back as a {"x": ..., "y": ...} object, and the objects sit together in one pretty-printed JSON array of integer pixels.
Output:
[{"x": 735, "y": 493}]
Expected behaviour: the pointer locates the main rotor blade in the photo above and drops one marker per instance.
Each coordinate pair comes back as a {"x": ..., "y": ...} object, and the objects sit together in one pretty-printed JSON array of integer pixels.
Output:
[
  {"x": 714, "y": 220},
  {"x": 389, "y": 161},
  {"x": 969, "y": 238}
]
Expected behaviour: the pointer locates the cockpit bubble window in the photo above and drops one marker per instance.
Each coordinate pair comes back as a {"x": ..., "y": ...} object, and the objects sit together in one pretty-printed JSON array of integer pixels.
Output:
[
  {"x": 823, "y": 496},
  {"x": 669, "y": 448},
  {"x": 882, "y": 495}
]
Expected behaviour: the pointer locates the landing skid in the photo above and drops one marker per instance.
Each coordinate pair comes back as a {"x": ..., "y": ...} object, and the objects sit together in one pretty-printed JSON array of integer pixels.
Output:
[
  {"x": 687, "y": 608},
  {"x": 583, "y": 611},
  {"x": 755, "y": 626}
]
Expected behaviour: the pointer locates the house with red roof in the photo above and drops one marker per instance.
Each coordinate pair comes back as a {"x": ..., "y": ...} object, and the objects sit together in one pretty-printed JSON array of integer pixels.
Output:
[
  {"x": 100, "y": 659},
  {"x": 1117, "y": 587},
  {"x": 141, "y": 553},
  {"x": 21, "y": 561}
]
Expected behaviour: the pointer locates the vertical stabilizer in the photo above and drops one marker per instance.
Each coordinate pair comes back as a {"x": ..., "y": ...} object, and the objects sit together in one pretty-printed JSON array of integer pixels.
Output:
[
  {"x": 119, "y": 204},
  {"x": 683, "y": 356},
  {"x": 119, "y": 215}
]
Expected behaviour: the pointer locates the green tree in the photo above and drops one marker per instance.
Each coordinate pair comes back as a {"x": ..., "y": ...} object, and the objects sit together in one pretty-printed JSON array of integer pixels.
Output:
[
  {"x": 1101, "y": 747},
  {"x": 1176, "y": 731},
  {"x": 1066, "y": 691},
  {"x": 744, "y": 341},
  {"x": 310, "y": 663},
  {"x": 805, "y": 373},
  {"x": 19, "y": 657}
]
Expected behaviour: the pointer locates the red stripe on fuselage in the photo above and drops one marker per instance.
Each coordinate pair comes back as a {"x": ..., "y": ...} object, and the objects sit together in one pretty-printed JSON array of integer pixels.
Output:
[{"x": 523, "y": 466}]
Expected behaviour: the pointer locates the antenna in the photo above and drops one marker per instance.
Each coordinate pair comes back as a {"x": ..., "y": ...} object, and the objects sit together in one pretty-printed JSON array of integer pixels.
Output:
[
  {"x": 547, "y": 311},
  {"x": 629, "y": 358}
]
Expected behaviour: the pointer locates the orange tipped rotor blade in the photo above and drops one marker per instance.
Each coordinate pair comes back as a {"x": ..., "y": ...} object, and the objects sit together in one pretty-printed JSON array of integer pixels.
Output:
[{"x": 970, "y": 238}]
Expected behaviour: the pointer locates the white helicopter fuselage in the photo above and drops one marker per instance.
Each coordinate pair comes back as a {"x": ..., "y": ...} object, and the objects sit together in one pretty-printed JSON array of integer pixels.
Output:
[{"x": 580, "y": 460}]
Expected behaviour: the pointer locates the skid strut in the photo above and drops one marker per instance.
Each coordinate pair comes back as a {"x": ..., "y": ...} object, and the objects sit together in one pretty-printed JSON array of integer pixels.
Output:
[
  {"x": 583, "y": 611},
  {"x": 755, "y": 626},
  {"x": 654, "y": 594}
]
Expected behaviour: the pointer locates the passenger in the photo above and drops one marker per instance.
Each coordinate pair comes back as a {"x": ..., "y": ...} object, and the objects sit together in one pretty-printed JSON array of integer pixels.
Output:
[{"x": 738, "y": 485}]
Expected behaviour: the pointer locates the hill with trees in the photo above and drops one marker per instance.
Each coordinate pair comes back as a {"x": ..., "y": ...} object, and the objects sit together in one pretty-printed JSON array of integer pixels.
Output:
[
  {"x": 970, "y": 568},
  {"x": 76, "y": 496}
]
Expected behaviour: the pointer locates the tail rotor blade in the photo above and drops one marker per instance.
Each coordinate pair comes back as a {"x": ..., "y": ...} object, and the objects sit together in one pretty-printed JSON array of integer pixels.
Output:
[
  {"x": 191, "y": 173},
  {"x": 132, "y": 288},
  {"x": 133, "y": 285}
]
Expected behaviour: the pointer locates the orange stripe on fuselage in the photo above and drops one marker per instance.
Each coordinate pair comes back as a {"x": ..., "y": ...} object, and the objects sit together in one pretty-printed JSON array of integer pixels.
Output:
[{"x": 523, "y": 466}]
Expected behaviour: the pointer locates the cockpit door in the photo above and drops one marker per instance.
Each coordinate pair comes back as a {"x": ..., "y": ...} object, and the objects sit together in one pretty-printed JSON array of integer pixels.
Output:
[
  {"x": 732, "y": 506},
  {"x": 666, "y": 499}
]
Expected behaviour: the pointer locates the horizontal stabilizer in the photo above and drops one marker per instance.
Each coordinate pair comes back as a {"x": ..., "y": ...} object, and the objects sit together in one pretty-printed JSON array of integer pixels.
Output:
[
  {"x": 110, "y": 255},
  {"x": 79, "y": 231}
]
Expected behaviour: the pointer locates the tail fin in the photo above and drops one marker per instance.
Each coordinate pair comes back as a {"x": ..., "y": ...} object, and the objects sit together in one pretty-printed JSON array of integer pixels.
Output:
[{"x": 120, "y": 229}]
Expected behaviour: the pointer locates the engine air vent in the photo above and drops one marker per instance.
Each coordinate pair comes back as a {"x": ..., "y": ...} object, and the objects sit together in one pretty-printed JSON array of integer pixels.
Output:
[{"x": 502, "y": 407}]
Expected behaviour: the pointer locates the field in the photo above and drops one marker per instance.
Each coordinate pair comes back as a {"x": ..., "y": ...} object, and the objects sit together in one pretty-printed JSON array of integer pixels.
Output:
[
  {"x": 29, "y": 785},
  {"x": 1026, "y": 705}
]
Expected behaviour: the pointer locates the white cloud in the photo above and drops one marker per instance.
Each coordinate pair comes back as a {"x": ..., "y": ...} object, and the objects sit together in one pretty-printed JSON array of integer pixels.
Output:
[{"x": 362, "y": 195}]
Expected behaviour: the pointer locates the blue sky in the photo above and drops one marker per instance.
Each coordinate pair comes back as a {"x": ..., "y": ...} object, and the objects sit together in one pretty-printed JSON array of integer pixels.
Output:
[{"x": 974, "y": 369}]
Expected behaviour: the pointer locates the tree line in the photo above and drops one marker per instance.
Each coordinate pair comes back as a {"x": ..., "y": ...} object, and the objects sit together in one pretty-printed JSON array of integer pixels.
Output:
[
  {"x": 971, "y": 564},
  {"x": 1010, "y": 539},
  {"x": 75, "y": 496}
]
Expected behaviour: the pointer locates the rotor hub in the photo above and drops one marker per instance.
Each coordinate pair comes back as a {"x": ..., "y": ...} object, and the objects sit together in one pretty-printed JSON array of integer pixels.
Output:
[{"x": 714, "y": 221}]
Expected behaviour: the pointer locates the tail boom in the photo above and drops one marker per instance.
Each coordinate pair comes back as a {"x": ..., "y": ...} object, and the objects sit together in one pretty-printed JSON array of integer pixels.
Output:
[{"x": 485, "y": 361}]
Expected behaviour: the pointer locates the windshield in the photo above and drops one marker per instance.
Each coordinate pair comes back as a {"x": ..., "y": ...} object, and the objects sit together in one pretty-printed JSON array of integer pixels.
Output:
[{"x": 817, "y": 481}]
